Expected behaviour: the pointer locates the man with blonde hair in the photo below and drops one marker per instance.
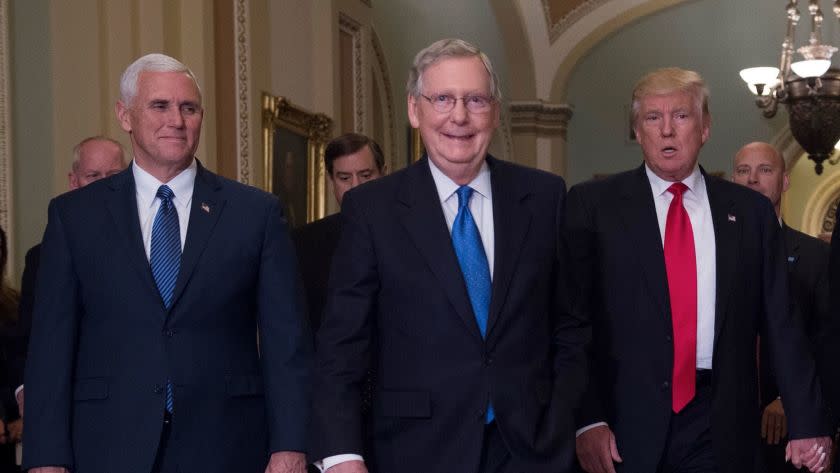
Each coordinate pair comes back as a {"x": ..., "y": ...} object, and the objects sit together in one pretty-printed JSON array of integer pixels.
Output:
[
  {"x": 448, "y": 279},
  {"x": 677, "y": 272}
]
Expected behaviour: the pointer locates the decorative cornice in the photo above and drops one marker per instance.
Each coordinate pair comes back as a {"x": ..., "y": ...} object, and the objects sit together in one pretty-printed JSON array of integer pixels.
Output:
[
  {"x": 382, "y": 66},
  {"x": 242, "y": 53},
  {"x": 354, "y": 29},
  {"x": 537, "y": 116},
  {"x": 557, "y": 29}
]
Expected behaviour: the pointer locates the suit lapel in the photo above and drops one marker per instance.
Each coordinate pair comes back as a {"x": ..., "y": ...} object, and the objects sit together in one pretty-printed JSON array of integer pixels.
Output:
[
  {"x": 727, "y": 223},
  {"x": 421, "y": 214},
  {"x": 642, "y": 226},
  {"x": 122, "y": 206},
  {"x": 204, "y": 213},
  {"x": 511, "y": 221}
]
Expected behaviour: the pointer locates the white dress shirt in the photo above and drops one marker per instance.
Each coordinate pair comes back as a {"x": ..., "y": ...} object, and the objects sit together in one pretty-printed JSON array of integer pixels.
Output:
[
  {"x": 481, "y": 208},
  {"x": 148, "y": 203},
  {"x": 696, "y": 203}
]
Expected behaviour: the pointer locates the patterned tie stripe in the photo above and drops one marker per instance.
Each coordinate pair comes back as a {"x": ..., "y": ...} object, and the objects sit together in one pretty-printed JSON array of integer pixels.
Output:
[
  {"x": 165, "y": 260},
  {"x": 473, "y": 262}
]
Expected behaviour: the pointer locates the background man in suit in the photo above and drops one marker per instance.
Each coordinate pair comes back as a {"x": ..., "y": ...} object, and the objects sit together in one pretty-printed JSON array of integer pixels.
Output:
[
  {"x": 94, "y": 158},
  {"x": 144, "y": 358},
  {"x": 447, "y": 279},
  {"x": 761, "y": 167},
  {"x": 351, "y": 159},
  {"x": 677, "y": 271}
]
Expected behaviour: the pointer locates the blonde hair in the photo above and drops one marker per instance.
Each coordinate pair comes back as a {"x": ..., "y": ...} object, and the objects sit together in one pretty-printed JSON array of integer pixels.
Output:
[{"x": 667, "y": 81}]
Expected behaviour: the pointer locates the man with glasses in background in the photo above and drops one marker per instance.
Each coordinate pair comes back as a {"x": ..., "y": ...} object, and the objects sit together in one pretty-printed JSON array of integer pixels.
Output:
[{"x": 447, "y": 280}]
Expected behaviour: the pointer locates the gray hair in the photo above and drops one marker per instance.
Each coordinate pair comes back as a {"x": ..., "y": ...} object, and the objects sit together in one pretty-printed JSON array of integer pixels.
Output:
[
  {"x": 154, "y": 62},
  {"x": 447, "y": 48},
  {"x": 77, "y": 150}
]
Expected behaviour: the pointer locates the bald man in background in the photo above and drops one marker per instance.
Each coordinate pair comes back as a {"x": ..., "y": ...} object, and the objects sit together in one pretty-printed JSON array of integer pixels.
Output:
[
  {"x": 761, "y": 167},
  {"x": 94, "y": 158}
]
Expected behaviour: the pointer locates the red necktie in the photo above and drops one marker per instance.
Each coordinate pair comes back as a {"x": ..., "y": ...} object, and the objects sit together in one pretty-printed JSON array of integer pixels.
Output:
[{"x": 681, "y": 266}]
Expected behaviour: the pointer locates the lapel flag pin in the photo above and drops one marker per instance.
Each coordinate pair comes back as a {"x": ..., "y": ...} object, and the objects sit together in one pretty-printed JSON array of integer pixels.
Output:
[
  {"x": 731, "y": 218},
  {"x": 791, "y": 259},
  {"x": 205, "y": 207}
]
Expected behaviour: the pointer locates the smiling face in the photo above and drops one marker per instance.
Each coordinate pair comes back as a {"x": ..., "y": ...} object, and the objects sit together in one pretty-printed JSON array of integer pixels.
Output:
[
  {"x": 671, "y": 128},
  {"x": 456, "y": 141},
  {"x": 164, "y": 122}
]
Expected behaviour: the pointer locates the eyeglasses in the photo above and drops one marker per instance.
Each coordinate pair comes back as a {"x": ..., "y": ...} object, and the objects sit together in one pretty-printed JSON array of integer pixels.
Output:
[{"x": 443, "y": 103}]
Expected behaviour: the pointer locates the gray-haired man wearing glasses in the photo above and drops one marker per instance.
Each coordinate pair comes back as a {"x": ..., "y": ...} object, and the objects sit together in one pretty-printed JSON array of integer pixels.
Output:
[{"x": 448, "y": 281}]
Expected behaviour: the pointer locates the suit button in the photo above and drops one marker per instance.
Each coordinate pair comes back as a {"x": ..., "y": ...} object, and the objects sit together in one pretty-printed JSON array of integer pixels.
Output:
[
  {"x": 488, "y": 361},
  {"x": 169, "y": 333},
  {"x": 158, "y": 389},
  {"x": 665, "y": 385}
]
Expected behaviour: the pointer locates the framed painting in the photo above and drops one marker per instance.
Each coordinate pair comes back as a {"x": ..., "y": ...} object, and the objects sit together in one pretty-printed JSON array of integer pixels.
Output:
[{"x": 293, "y": 150}]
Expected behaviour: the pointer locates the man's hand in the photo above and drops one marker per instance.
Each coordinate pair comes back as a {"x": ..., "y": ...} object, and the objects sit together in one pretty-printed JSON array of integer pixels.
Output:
[
  {"x": 15, "y": 431},
  {"x": 286, "y": 462},
  {"x": 352, "y": 466},
  {"x": 811, "y": 453},
  {"x": 19, "y": 399},
  {"x": 49, "y": 469},
  {"x": 773, "y": 423},
  {"x": 596, "y": 450}
]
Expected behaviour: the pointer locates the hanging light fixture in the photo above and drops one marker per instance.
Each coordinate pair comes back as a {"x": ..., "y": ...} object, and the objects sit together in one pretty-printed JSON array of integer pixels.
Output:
[{"x": 809, "y": 88}]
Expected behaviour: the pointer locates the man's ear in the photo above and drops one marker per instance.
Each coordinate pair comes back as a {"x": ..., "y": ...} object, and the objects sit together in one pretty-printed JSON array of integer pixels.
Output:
[
  {"x": 123, "y": 116},
  {"x": 412, "y": 112}
]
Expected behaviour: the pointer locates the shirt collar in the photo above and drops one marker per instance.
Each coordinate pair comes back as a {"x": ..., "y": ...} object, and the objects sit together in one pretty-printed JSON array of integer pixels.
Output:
[
  {"x": 694, "y": 181},
  {"x": 147, "y": 185},
  {"x": 446, "y": 186}
]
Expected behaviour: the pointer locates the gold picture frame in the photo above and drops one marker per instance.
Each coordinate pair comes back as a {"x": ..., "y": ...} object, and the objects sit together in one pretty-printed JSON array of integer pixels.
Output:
[{"x": 293, "y": 149}]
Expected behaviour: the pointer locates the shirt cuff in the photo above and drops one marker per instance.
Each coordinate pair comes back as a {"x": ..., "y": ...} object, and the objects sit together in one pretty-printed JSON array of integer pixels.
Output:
[
  {"x": 18, "y": 390},
  {"x": 588, "y": 427},
  {"x": 334, "y": 460}
]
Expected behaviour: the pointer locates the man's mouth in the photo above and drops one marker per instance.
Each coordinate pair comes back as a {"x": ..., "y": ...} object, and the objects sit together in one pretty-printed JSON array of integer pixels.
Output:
[
  {"x": 459, "y": 136},
  {"x": 669, "y": 151}
]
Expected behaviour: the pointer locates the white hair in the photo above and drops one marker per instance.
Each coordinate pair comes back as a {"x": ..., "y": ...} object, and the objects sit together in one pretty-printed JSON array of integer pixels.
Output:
[{"x": 154, "y": 62}]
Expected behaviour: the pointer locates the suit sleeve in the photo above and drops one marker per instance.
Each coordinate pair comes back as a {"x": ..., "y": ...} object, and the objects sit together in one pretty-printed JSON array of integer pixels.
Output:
[
  {"x": 20, "y": 337},
  {"x": 571, "y": 328},
  {"x": 285, "y": 338},
  {"x": 345, "y": 337},
  {"x": 582, "y": 263},
  {"x": 51, "y": 355},
  {"x": 793, "y": 362}
]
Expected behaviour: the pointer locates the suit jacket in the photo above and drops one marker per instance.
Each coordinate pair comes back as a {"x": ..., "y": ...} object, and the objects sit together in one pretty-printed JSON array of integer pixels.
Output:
[
  {"x": 18, "y": 338},
  {"x": 807, "y": 262},
  {"x": 619, "y": 268},
  {"x": 396, "y": 285},
  {"x": 315, "y": 244},
  {"x": 103, "y": 344}
]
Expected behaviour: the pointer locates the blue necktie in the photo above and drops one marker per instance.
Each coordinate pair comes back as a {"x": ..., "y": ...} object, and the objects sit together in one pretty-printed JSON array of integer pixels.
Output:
[
  {"x": 473, "y": 261},
  {"x": 165, "y": 259}
]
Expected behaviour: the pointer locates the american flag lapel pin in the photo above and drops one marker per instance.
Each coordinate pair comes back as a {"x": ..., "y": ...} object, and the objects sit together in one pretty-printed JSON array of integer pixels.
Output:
[
  {"x": 205, "y": 207},
  {"x": 731, "y": 218}
]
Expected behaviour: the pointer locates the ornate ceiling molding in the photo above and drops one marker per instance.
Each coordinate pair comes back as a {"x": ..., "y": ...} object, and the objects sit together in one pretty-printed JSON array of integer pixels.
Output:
[
  {"x": 388, "y": 94},
  {"x": 558, "y": 27},
  {"x": 354, "y": 29}
]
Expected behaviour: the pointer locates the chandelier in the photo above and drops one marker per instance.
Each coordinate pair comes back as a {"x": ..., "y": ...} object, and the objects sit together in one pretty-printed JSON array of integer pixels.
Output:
[{"x": 809, "y": 88}]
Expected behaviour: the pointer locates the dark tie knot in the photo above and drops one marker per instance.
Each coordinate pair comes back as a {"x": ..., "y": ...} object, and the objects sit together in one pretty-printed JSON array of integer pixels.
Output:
[
  {"x": 165, "y": 195},
  {"x": 678, "y": 189},
  {"x": 464, "y": 194}
]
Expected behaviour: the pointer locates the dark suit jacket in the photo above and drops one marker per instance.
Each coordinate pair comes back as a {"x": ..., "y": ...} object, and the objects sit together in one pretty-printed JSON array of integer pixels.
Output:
[
  {"x": 619, "y": 267},
  {"x": 103, "y": 345},
  {"x": 315, "y": 243},
  {"x": 18, "y": 338},
  {"x": 396, "y": 282},
  {"x": 807, "y": 262}
]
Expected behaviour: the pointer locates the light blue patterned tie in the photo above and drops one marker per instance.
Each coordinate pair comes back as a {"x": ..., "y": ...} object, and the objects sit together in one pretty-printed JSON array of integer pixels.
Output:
[
  {"x": 473, "y": 261},
  {"x": 165, "y": 259}
]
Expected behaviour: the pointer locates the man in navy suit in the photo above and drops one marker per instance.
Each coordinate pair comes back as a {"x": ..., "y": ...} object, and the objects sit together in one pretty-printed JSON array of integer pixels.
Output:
[
  {"x": 448, "y": 280},
  {"x": 761, "y": 167},
  {"x": 143, "y": 356},
  {"x": 678, "y": 271}
]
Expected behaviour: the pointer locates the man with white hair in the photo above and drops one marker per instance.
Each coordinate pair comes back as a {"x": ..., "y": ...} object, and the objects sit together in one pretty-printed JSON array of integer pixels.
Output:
[{"x": 144, "y": 354}]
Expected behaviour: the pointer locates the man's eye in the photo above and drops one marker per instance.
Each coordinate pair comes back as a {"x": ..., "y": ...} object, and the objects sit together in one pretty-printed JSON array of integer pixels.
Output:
[
  {"x": 189, "y": 109},
  {"x": 442, "y": 98},
  {"x": 477, "y": 100}
]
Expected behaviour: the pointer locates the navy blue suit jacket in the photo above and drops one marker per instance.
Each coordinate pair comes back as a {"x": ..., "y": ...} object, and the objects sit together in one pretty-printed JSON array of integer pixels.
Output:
[
  {"x": 398, "y": 302},
  {"x": 103, "y": 345}
]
